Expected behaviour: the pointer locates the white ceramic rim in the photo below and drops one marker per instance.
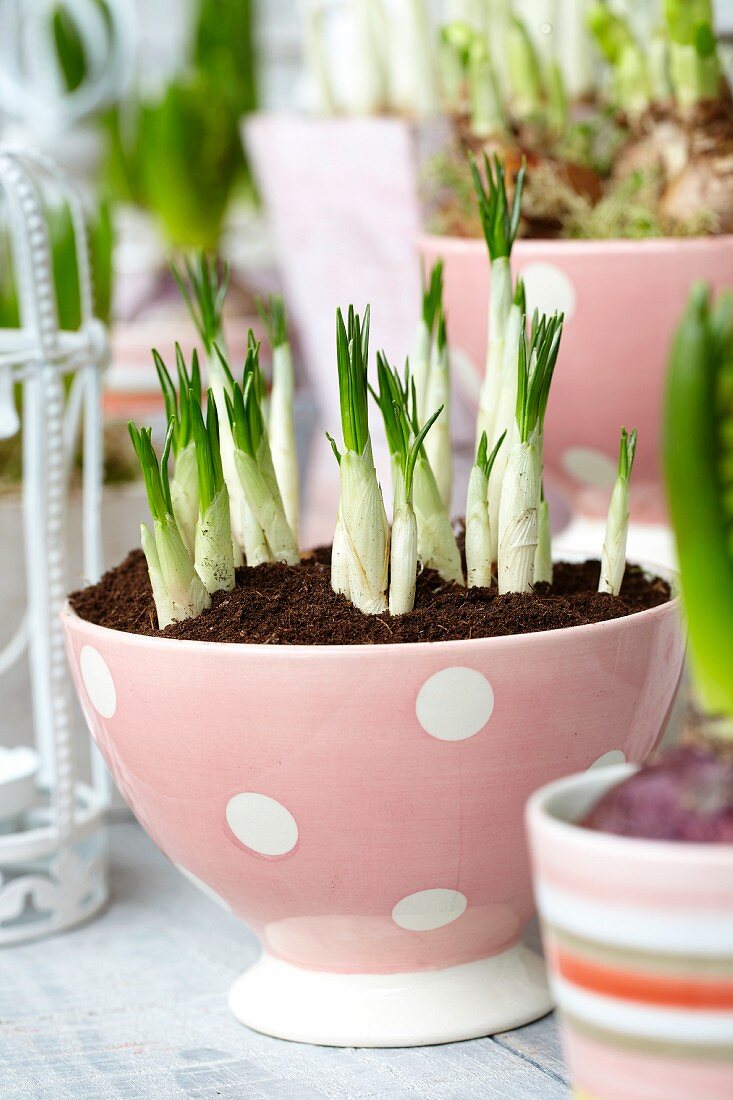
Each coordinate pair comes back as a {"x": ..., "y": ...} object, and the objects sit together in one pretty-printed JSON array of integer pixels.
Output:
[
  {"x": 541, "y": 637},
  {"x": 541, "y": 820}
]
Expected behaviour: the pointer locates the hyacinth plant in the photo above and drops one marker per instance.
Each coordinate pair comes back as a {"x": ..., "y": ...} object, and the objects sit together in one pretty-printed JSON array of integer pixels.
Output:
[{"x": 698, "y": 459}]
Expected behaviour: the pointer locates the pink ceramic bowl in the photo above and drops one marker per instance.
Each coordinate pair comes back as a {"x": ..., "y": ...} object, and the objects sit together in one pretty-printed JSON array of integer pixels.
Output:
[
  {"x": 639, "y": 940},
  {"x": 360, "y": 807},
  {"x": 622, "y": 301}
]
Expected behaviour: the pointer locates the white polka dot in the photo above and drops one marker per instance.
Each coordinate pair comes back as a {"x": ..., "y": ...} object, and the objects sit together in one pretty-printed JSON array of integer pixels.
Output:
[
  {"x": 203, "y": 887},
  {"x": 454, "y": 704},
  {"x": 98, "y": 681},
  {"x": 428, "y": 909},
  {"x": 548, "y": 289},
  {"x": 262, "y": 824},
  {"x": 615, "y": 756},
  {"x": 590, "y": 467}
]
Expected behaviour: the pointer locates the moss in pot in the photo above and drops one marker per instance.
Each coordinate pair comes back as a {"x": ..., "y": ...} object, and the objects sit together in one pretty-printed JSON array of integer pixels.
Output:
[
  {"x": 648, "y": 155},
  {"x": 641, "y": 953},
  {"x": 338, "y": 793}
]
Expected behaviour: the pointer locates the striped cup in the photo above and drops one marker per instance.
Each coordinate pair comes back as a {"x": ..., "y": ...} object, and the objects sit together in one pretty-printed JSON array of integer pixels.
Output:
[{"x": 639, "y": 942}]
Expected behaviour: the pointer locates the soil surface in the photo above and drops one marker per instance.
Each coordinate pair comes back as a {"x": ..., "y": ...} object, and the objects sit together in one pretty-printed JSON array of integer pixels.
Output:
[{"x": 292, "y": 605}]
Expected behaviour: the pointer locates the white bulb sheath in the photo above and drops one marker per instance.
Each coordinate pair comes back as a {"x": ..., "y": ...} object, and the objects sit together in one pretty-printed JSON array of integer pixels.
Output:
[
  {"x": 500, "y": 304},
  {"x": 438, "y": 444},
  {"x": 403, "y": 564},
  {"x": 478, "y": 533},
  {"x": 282, "y": 433},
  {"x": 185, "y": 494},
  {"x": 543, "y": 556},
  {"x": 613, "y": 561},
  {"x": 518, "y": 520},
  {"x": 218, "y": 382},
  {"x": 366, "y": 532},
  {"x": 214, "y": 559},
  {"x": 340, "y": 560},
  {"x": 260, "y": 490},
  {"x": 163, "y": 602},
  {"x": 437, "y": 547},
  {"x": 182, "y": 583},
  {"x": 504, "y": 420}
]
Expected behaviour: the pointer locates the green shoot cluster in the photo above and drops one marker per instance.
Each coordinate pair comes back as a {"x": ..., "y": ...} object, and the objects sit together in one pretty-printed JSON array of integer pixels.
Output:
[
  {"x": 203, "y": 289},
  {"x": 352, "y": 356},
  {"x": 499, "y": 217},
  {"x": 208, "y": 450},
  {"x": 179, "y": 404},
  {"x": 155, "y": 473},
  {"x": 536, "y": 366}
]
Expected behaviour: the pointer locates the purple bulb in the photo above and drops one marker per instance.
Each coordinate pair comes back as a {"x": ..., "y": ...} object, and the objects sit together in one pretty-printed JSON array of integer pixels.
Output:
[{"x": 686, "y": 795}]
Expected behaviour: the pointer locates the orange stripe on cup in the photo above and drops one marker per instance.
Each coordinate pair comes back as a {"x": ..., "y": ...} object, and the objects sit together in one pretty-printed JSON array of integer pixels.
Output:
[{"x": 651, "y": 989}]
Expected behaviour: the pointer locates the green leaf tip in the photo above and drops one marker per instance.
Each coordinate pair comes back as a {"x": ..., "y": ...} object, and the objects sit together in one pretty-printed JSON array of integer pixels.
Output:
[
  {"x": 274, "y": 318},
  {"x": 499, "y": 218},
  {"x": 203, "y": 284},
  {"x": 432, "y": 297},
  {"x": 352, "y": 356}
]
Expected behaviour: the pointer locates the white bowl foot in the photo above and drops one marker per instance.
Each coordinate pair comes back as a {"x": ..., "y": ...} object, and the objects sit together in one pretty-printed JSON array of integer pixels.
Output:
[{"x": 392, "y": 1010}]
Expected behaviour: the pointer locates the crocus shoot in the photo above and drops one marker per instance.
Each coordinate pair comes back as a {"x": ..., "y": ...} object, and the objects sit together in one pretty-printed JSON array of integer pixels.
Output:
[
  {"x": 500, "y": 222},
  {"x": 479, "y": 556},
  {"x": 404, "y": 445},
  {"x": 203, "y": 286},
  {"x": 214, "y": 551},
  {"x": 438, "y": 445},
  {"x": 420, "y": 362},
  {"x": 613, "y": 562},
  {"x": 360, "y": 558},
  {"x": 184, "y": 487},
  {"x": 253, "y": 461},
  {"x": 177, "y": 589},
  {"x": 522, "y": 485},
  {"x": 281, "y": 421}
]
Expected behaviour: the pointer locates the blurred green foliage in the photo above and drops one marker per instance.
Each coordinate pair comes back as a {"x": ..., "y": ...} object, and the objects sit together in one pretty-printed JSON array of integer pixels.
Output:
[
  {"x": 66, "y": 276},
  {"x": 180, "y": 156}
]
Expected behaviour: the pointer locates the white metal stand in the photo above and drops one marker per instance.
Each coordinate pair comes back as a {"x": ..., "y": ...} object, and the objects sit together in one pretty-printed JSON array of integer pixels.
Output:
[{"x": 53, "y": 854}]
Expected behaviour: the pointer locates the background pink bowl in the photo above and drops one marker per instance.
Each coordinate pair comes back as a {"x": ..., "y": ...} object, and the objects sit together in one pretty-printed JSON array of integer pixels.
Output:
[
  {"x": 623, "y": 301},
  {"x": 360, "y": 807}
]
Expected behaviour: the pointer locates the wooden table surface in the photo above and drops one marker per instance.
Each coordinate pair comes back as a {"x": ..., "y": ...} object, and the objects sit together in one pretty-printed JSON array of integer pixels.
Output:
[{"x": 133, "y": 1005}]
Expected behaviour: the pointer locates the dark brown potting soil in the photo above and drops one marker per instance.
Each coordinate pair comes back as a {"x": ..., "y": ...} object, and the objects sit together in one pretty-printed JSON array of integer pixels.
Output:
[{"x": 286, "y": 605}]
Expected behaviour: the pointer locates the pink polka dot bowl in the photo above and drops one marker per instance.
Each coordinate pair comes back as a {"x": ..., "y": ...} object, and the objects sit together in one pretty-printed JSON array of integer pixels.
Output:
[
  {"x": 622, "y": 302},
  {"x": 360, "y": 807}
]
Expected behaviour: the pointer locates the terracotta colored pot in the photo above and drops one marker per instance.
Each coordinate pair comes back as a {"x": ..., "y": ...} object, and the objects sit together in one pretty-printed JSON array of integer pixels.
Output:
[
  {"x": 622, "y": 301},
  {"x": 360, "y": 807},
  {"x": 639, "y": 941}
]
